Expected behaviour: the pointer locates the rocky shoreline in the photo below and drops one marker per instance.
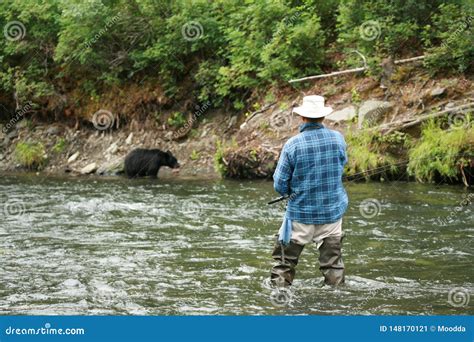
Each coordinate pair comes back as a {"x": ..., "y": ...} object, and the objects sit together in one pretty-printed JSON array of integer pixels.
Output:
[{"x": 233, "y": 146}]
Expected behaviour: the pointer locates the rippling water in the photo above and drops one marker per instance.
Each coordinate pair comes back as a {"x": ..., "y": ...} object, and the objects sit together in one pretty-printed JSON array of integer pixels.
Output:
[{"x": 184, "y": 247}]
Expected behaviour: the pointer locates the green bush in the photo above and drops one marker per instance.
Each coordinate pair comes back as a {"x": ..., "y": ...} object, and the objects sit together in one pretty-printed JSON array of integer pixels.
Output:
[
  {"x": 235, "y": 49},
  {"x": 176, "y": 120},
  {"x": 450, "y": 39},
  {"x": 59, "y": 146},
  {"x": 366, "y": 155},
  {"x": 30, "y": 155},
  {"x": 439, "y": 153},
  {"x": 219, "y": 164}
]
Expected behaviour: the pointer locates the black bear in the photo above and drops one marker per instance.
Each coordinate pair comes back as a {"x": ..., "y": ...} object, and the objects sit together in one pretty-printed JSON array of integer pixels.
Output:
[{"x": 142, "y": 162}]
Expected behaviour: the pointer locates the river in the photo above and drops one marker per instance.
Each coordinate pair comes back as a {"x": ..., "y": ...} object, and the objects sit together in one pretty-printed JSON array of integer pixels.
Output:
[{"x": 186, "y": 247}]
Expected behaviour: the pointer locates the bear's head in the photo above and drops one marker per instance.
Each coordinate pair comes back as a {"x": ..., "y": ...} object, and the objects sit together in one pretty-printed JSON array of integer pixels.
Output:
[{"x": 171, "y": 161}]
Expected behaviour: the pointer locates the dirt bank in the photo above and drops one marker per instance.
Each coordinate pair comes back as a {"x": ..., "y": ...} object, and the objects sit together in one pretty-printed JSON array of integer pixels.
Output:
[{"x": 245, "y": 144}]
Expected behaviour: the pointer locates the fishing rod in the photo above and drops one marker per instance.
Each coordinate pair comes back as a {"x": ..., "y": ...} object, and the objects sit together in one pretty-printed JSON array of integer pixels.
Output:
[
  {"x": 371, "y": 172},
  {"x": 354, "y": 177}
]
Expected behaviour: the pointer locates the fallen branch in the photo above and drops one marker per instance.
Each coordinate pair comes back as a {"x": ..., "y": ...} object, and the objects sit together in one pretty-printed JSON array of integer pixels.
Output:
[
  {"x": 260, "y": 111},
  {"x": 351, "y": 71},
  {"x": 403, "y": 124}
]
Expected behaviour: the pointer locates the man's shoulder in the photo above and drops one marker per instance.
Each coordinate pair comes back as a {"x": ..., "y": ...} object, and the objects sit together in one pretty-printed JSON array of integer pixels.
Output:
[{"x": 338, "y": 135}]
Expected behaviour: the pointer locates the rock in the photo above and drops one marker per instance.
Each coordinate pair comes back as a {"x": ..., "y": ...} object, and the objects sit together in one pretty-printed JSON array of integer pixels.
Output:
[
  {"x": 12, "y": 135},
  {"x": 438, "y": 91},
  {"x": 21, "y": 124},
  {"x": 450, "y": 105},
  {"x": 372, "y": 111},
  {"x": 91, "y": 168},
  {"x": 73, "y": 158},
  {"x": 53, "y": 130},
  {"x": 111, "y": 168},
  {"x": 128, "y": 141},
  {"x": 112, "y": 149},
  {"x": 345, "y": 114},
  {"x": 232, "y": 121}
]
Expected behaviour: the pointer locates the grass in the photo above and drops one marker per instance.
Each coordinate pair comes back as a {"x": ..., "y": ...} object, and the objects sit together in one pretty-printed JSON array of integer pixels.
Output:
[
  {"x": 195, "y": 155},
  {"x": 366, "y": 152},
  {"x": 30, "y": 155},
  {"x": 440, "y": 153},
  {"x": 176, "y": 120},
  {"x": 219, "y": 164},
  {"x": 60, "y": 146}
]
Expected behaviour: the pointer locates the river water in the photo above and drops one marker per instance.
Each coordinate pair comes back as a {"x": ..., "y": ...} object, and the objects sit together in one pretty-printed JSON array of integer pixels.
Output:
[{"x": 187, "y": 247}]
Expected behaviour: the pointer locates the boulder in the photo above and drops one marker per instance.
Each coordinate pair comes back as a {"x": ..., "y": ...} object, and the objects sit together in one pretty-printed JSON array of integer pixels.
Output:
[
  {"x": 128, "y": 141},
  {"x": 111, "y": 168},
  {"x": 345, "y": 114},
  {"x": 53, "y": 130},
  {"x": 73, "y": 158},
  {"x": 372, "y": 111},
  {"x": 112, "y": 149},
  {"x": 12, "y": 135},
  {"x": 438, "y": 91},
  {"x": 91, "y": 168}
]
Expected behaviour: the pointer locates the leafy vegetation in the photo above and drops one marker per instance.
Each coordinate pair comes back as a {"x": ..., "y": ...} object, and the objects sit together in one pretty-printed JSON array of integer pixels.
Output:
[
  {"x": 30, "y": 155},
  {"x": 440, "y": 153},
  {"x": 60, "y": 146},
  {"x": 366, "y": 154},
  {"x": 219, "y": 164},
  {"x": 177, "y": 120},
  {"x": 221, "y": 50}
]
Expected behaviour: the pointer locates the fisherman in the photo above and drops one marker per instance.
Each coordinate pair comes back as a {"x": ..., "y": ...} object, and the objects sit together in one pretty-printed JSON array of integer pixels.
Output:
[{"x": 309, "y": 172}]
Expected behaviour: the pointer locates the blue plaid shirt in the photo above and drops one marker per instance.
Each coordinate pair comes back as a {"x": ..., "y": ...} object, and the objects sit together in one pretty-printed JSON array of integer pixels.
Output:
[{"x": 310, "y": 171}]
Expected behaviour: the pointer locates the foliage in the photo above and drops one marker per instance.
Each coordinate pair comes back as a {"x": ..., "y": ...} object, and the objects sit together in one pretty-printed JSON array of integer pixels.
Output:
[
  {"x": 450, "y": 40},
  {"x": 219, "y": 163},
  {"x": 195, "y": 155},
  {"x": 59, "y": 146},
  {"x": 30, "y": 155},
  {"x": 440, "y": 153},
  {"x": 366, "y": 154},
  {"x": 176, "y": 120},
  {"x": 223, "y": 50}
]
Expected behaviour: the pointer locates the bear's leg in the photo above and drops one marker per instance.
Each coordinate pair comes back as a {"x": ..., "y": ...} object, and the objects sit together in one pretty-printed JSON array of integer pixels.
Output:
[{"x": 153, "y": 172}]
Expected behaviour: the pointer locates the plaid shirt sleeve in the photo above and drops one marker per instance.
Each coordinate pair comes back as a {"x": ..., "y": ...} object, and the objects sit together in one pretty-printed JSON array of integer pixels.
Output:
[{"x": 283, "y": 172}]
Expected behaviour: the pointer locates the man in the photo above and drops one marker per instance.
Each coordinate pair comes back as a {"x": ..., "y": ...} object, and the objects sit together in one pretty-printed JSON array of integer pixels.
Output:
[{"x": 310, "y": 172}]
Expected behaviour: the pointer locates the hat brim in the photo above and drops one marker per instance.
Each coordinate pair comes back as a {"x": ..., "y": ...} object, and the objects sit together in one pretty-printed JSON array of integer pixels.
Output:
[{"x": 311, "y": 113}]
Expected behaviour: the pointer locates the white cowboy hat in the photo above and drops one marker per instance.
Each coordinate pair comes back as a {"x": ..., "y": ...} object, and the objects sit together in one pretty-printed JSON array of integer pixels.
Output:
[{"x": 313, "y": 107}]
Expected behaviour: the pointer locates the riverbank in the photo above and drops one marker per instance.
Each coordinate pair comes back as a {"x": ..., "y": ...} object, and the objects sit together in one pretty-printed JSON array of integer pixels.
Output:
[{"x": 382, "y": 128}]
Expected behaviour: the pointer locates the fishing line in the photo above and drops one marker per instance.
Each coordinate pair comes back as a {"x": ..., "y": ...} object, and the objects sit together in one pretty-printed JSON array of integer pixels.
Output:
[{"x": 364, "y": 174}]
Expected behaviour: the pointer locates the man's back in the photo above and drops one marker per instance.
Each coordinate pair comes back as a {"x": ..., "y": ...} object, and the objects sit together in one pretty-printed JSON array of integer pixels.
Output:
[{"x": 310, "y": 169}]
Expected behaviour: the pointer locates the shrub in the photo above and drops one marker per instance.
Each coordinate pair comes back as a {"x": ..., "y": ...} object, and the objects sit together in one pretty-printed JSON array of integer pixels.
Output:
[
  {"x": 450, "y": 40},
  {"x": 176, "y": 120},
  {"x": 30, "y": 155},
  {"x": 219, "y": 164},
  {"x": 59, "y": 146},
  {"x": 366, "y": 155},
  {"x": 440, "y": 153}
]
